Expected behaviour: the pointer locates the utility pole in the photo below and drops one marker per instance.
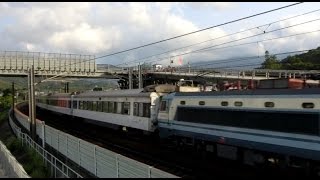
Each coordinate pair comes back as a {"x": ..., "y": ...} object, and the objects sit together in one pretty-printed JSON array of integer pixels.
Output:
[
  {"x": 13, "y": 99},
  {"x": 32, "y": 105},
  {"x": 66, "y": 87},
  {"x": 140, "y": 77},
  {"x": 130, "y": 78}
]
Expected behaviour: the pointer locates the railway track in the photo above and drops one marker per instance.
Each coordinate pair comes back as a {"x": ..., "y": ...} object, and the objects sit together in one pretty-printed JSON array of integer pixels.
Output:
[{"x": 164, "y": 156}]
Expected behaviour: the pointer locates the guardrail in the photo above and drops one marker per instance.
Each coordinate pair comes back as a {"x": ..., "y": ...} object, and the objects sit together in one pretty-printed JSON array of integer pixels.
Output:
[{"x": 97, "y": 160}]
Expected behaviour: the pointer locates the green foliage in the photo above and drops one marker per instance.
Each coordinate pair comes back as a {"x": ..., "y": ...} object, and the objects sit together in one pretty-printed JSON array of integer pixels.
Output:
[
  {"x": 304, "y": 61},
  {"x": 31, "y": 161},
  {"x": 5, "y": 102},
  {"x": 10, "y": 143},
  {"x": 35, "y": 166},
  {"x": 270, "y": 62},
  {"x": 3, "y": 114},
  {"x": 146, "y": 66}
]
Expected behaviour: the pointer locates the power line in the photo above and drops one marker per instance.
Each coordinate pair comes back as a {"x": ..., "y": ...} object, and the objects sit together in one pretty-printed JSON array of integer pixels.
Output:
[
  {"x": 141, "y": 59},
  {"x": 265, "y": 12},
  {"x": 245, "y": 58},
  {"x": 199, "y": 50},
  {"x": 262, "y": 33},
  {"x": 200, "y": 30},
  {"x": 254, "y": 42}
]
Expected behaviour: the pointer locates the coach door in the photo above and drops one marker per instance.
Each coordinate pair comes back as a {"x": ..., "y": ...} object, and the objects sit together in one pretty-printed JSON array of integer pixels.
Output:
[{"x": 164, "y": 111}]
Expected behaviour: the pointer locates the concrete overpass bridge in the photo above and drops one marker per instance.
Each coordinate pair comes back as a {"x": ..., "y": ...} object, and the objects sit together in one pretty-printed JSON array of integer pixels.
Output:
[{"x": 17, "y": 63}]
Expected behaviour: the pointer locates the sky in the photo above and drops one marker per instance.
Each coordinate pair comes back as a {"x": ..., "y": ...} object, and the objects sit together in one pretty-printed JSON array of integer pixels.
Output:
[{"x": 102, "y": 28}]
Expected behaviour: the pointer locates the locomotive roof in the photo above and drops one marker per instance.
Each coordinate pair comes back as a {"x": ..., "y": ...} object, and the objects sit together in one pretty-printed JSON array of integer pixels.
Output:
[{"x": 253, "y": 92}]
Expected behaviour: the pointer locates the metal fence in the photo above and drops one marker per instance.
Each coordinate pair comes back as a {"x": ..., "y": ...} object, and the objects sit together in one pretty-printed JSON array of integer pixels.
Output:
[
  {"x": 57, "y": 168},
  {"x": 97, "y": 160}
]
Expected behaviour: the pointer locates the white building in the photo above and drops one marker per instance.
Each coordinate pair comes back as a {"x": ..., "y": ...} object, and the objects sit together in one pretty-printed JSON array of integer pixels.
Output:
[{"x": 157, "y": 67}]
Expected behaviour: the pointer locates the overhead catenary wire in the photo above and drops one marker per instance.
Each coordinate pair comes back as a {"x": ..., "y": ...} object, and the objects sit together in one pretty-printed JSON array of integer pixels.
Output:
[
  {"x": 199, "y": 50},
  {"x": 245, "y": 58},
  {"x": 254, "y": 42},
  {"x": 240, "y": 19},
  {"x": 141, "y": 59},
  {"x": 229, "y": 22}
]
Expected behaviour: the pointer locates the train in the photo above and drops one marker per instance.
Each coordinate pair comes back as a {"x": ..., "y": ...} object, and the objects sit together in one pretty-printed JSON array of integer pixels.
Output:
[{"x": 256, "y": 126}]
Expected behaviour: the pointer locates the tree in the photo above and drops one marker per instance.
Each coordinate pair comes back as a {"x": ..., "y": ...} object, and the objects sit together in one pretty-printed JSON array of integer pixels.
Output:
[
  {"x": 270, "y": 62},
  {"x": 146, "y": 66}
]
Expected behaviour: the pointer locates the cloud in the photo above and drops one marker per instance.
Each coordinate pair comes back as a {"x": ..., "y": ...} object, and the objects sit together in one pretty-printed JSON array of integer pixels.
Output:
[
  {"x": 220, "y": 6},
  {"x": 104, "y": 28}
]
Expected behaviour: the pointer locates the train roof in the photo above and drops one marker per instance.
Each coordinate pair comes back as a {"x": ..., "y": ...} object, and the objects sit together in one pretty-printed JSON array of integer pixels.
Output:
[
  {"x": 305, "y": 91},
  {"x": 57, "y": 95},
  {"x": 116, "y": 93}
]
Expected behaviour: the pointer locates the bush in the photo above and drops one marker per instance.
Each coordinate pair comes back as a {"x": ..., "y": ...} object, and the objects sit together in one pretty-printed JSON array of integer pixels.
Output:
[
  {"x": 35, "y": 166},
  {"x": 29, "y": 158}
]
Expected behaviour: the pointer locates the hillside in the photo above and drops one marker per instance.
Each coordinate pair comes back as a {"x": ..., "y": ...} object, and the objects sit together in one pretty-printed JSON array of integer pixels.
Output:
[
  {"x": 74, "y": 84},
  {"x": 304, "y": 61}
]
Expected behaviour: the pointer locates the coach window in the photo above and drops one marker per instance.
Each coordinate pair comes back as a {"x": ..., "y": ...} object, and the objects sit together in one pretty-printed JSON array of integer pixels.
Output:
[
  {"x": 89, "y": 105},
  {"x": 308, "y": 105},
  {"x": 99, "y": 106},
  {"x": 125, "y": 108},
  {"x": 163, "y": 106},
  {"x": 105, "y": 106},
  {"x": 182, "y": 102},
  {"x": 80, "y": 105},
  {"x": 238, "y": 103},
  {"x": 115, "y": 107},
  {"x": 85, "y": 105},
  {"x": 136, "y": 109},
  {"x": 146, "y": 109},
  {"x": 110, "y": 107},
  {"x": 74, "y": 104},
  {"x": 94, "y": 106},
  {"x": 202, "y": 103},
  {"x": 269, "y": 104},
  {"x": 224, "y": 103}
]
